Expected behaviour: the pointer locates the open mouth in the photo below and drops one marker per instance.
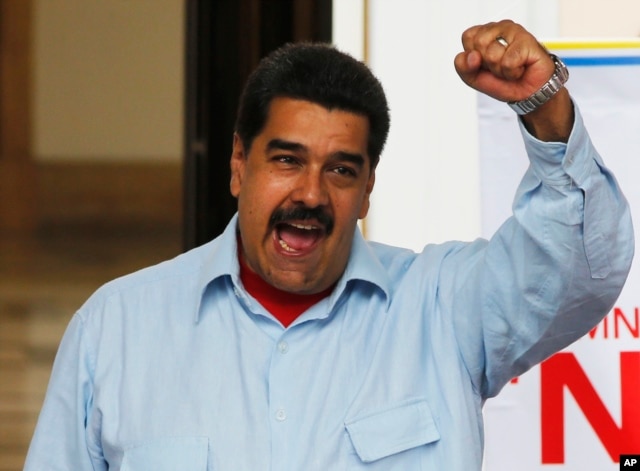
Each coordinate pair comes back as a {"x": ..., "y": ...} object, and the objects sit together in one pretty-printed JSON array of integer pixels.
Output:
[{"x": 296, "y": 238}]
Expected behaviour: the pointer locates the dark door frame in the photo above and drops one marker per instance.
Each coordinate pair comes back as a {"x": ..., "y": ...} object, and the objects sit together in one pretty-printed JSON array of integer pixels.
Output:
[{"x": 225, "y": 40}]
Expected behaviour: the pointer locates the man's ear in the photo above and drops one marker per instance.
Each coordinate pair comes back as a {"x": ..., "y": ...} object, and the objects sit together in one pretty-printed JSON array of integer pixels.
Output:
[{"x": 238, "y": 163}]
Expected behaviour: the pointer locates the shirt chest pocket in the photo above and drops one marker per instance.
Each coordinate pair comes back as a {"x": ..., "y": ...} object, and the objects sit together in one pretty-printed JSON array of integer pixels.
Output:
[
  {"x": 168, "y": 454},
  {"x": 391, "y": 438}
]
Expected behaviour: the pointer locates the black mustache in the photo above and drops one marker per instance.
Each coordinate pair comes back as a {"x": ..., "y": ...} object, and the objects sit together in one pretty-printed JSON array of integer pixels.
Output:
[{"x": 302, "y": 213}]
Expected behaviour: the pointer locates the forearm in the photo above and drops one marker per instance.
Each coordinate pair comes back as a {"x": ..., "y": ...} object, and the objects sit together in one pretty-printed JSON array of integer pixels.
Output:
[{"x": 553, "y": 121}]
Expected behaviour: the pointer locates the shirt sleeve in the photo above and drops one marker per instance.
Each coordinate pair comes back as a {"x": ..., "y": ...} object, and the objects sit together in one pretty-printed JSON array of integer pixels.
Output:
[
  {"x": 60, "y": 438},
  {"x": 551, "y": 272}
]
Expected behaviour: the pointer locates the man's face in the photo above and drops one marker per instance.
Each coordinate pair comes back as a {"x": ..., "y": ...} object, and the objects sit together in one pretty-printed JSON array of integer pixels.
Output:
[{"x": 301, "y": 189}]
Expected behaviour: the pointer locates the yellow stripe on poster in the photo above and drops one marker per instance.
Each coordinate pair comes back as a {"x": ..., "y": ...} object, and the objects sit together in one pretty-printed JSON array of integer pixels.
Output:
[{"x": 590, "y": 44}]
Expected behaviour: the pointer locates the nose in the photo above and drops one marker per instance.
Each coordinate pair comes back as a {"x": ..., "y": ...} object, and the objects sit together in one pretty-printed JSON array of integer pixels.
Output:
[{"x": 310, "y": 189}]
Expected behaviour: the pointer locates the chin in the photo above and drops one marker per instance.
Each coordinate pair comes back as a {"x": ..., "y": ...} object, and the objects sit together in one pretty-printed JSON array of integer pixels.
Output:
[{"x": 296, "y": 286}]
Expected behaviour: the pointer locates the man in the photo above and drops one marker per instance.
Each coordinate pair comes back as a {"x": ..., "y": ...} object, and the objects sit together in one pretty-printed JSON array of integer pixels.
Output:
[{"x": 291, "y": 343}]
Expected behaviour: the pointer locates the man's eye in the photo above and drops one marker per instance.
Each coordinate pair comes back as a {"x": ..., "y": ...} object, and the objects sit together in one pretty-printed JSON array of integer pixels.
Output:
[
  {"x": 285, "y": 159},
  {"x": 346, "y": 171}
]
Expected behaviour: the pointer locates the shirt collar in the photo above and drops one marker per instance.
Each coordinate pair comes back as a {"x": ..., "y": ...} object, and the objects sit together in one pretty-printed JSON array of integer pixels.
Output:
[
  {"x": 364, "y": 266},
  {"x": 221, "y": 260}
]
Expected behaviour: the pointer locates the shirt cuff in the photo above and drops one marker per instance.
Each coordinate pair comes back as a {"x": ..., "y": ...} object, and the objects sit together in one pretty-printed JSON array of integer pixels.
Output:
[{"x": 556, "y": 163}]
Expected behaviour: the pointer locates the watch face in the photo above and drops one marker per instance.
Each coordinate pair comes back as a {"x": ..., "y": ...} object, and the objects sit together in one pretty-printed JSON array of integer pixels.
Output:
[{"x": 561, "y": 72}]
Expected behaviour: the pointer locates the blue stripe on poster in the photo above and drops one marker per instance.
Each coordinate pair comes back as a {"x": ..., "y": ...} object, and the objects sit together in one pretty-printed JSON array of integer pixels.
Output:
[{"x": 594, "y": 61}]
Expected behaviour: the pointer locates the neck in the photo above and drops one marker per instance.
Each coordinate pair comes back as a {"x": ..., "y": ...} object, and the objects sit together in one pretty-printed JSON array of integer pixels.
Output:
[{"x": 286, "y": 307}]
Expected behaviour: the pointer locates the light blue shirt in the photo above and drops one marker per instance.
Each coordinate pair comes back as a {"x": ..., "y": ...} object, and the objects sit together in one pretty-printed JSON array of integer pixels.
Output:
[{"x": 176, "y": 367}]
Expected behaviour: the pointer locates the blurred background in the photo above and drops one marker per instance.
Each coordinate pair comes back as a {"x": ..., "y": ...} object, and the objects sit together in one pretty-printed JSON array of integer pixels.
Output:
[{"x": 115, "y": 131}]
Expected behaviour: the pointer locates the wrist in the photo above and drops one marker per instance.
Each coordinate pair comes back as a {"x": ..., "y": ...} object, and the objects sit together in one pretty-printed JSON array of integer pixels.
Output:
[
  {"x": 546, "y": 92},
  {"x": 553, "y": 121}
]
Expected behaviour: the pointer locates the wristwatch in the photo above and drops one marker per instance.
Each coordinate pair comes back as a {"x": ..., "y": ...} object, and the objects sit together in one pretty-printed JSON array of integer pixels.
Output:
[{"x": 548, "y": 90}]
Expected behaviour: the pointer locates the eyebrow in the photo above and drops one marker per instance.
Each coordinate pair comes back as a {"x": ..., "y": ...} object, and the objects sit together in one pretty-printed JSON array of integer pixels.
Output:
[
  {"x": 282, "y": 144},
  {"x": 356, "y": 159}
]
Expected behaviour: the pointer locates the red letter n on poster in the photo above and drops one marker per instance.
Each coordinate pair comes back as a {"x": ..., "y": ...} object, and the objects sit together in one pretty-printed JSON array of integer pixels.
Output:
[{"x": 563, "y": 370}]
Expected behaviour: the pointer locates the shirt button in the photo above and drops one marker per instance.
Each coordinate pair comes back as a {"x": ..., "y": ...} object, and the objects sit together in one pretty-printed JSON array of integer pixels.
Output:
[
  {"x": 281, "y": 415},
  {"x": 283, "y": 347}
]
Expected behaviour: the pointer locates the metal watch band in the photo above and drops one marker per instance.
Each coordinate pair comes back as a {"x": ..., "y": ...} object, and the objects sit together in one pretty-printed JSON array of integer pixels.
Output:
[{"x": 548, "y": 90}]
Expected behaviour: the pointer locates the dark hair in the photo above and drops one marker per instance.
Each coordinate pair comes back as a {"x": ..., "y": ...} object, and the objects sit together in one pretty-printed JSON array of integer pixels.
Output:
[{"x": 319, "y": 73}]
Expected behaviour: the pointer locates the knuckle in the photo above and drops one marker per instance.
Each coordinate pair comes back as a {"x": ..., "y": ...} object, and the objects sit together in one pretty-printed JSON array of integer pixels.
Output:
[{"x": 467, "y": 36}]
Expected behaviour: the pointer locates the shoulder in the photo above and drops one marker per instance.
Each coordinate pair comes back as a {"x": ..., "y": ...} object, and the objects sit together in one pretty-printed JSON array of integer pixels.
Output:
[
  {"x": 392, "y": 267},
  {"x": 175, "y": 278},
  {"x": 432, "y": 255}
]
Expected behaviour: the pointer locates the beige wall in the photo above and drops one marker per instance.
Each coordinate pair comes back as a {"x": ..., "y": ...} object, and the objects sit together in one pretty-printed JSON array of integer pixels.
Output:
[
  {"x": 108, "y": 75},
  {"x": 108, "y": 80},
  {"x": 599, "y": 18}
]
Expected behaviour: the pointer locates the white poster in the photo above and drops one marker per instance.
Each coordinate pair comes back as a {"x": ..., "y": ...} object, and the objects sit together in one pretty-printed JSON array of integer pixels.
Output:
[{"x": 580, "y": 409}]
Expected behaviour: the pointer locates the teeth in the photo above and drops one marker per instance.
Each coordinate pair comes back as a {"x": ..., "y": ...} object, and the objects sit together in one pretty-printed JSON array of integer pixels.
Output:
[
  {"x": 302, "y": 226},
  {"x": 284, "y": 245}
]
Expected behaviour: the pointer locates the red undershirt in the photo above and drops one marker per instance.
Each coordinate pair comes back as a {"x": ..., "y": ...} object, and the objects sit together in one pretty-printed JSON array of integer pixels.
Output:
[{"x": 284, "y": 306}]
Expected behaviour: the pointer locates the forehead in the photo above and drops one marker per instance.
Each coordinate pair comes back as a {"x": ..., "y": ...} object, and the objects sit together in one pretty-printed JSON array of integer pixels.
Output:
[{"x": 313, "y": 124}]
